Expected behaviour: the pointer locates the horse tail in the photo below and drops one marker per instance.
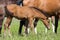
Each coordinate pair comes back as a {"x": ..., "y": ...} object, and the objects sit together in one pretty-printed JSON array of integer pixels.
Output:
[
  {"x": 56, "y": 22},
  {"x": 7, "y": 13},
  {"x": 2, "y": 14}
]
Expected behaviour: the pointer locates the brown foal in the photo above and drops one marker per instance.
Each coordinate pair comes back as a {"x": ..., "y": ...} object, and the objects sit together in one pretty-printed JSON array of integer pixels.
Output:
[{"x": 29, "y": 13}]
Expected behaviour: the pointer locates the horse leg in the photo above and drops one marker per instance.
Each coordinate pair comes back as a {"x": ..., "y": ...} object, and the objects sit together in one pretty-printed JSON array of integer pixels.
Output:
[
  {"x": 7, "y": 24},
  {"x": 35, "y": 24},
  {"x": 22, "y": 22},
  {"x": 31, "y": 23},
  {"x": 53, "y": 23},
  {"x": 27, "y": 30},
  {"x": 9, "y": 27},
  {"x": 56, "y": 23},
  {"x": 26, "y": 27}
]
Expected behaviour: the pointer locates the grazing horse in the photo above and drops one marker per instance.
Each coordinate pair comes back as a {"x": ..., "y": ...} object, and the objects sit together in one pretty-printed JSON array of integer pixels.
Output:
[
  {"x": 24, "y": 12},
  {"x": 49, "y": 7}
]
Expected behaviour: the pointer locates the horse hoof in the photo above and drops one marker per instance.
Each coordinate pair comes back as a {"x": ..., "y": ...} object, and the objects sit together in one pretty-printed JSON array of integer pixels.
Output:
[
  {"x": 10, "y": 35},
  {"x": 49, "y": 28},
  {"x": 4, "y": 35},
  {"x": 25, "y": 34}
]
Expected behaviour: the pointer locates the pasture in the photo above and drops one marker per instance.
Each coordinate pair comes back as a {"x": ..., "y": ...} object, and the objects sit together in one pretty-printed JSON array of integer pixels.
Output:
[{"x": 41, "y": 35}]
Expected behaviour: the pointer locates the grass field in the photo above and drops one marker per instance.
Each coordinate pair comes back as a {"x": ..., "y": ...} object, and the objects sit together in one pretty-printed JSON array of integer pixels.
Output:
[{"x": 40, "y": 36}]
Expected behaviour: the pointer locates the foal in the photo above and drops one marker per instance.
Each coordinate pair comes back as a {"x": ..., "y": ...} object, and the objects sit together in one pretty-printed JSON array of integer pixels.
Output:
[{"x": 24, "y": 12}]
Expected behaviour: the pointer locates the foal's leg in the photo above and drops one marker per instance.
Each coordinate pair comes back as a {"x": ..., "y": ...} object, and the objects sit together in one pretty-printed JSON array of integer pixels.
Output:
[
  {"x": 22, "y": 22},
  {"x": 7, "y": 24},
  {"x": 31, "y": 23},
  {"x": 26, "y": 27},
  {"x": 53, "y": 23},
  {"x": 35, "y": 24}
]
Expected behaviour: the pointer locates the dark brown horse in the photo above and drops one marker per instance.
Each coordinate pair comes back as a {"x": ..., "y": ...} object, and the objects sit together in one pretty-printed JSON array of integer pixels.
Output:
[{"x": 24, "y": 12}]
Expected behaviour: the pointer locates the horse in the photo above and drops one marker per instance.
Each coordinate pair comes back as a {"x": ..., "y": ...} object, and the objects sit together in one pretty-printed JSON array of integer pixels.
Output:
[
  {"x": 16, "y": 11},
  {"x": 49, "y": 7}
]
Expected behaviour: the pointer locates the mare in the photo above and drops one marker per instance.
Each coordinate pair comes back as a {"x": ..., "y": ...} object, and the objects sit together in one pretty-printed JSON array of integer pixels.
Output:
[{"x": 49, "y": 7}]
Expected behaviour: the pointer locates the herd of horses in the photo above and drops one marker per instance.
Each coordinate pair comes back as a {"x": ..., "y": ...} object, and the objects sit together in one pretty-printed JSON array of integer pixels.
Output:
[{"x": 29, "y": 13}]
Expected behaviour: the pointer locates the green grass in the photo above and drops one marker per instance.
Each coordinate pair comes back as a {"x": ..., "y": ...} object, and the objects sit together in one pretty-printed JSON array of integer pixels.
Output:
[{"x": 41, "y": 35}]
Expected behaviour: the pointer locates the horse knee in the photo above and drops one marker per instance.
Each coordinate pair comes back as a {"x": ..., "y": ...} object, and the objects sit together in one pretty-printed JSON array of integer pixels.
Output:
[{"x": 5, "y": 26}]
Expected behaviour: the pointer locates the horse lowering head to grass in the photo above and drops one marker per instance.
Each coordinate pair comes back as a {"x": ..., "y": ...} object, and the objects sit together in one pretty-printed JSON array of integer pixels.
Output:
[
  {"x": 50, "y": 7},
  {"x": 24, "y": 12}
]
